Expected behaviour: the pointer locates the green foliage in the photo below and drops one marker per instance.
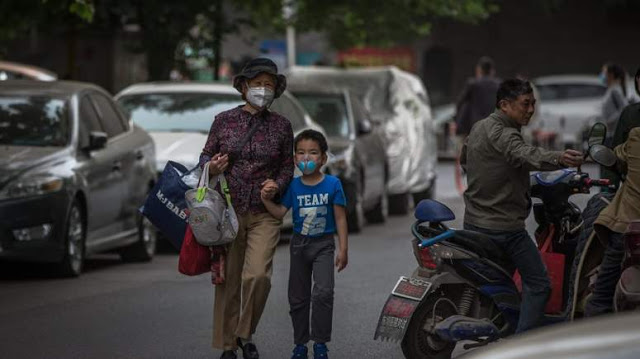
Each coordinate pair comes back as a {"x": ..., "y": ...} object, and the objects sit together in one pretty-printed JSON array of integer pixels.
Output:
[
  {"x": 362, "y": 22},
  {"x": 18, "y": 16}
]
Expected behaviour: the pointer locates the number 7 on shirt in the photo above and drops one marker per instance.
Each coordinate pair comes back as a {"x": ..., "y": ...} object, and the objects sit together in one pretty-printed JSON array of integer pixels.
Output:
[{"x": 313, "y": 224}]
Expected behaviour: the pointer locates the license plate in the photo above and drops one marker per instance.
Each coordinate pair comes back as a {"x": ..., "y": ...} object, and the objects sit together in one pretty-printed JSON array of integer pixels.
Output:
[{"x": 411, "y": 288}]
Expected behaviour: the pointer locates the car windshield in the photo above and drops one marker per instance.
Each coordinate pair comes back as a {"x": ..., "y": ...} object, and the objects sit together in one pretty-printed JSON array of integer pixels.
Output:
[
  {"x": 570, "y": 91},
  {"x": 329, "y": 111},
  {"x": 36, "y": 120},
  {"x": 184, "y": 112}
]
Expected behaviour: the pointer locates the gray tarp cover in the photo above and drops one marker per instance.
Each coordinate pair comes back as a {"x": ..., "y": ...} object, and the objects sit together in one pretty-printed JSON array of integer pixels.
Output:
[{"x": 398, "y": 102}]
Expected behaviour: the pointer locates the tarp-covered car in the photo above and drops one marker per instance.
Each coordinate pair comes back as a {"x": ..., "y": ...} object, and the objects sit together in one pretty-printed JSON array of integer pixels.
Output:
[{"x": 398, "y": 102}]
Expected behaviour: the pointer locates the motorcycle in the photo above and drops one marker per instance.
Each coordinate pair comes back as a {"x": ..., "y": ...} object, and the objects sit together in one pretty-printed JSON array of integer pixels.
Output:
[{"x": 463, "y": 287}]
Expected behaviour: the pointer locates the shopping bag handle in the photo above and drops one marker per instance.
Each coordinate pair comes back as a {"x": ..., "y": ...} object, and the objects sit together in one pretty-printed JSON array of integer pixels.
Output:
[{"x": 204, "y": 180}]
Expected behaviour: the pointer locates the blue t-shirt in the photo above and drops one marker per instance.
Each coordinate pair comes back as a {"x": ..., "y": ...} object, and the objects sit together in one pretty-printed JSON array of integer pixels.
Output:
[{"x": 312, "y": 206}]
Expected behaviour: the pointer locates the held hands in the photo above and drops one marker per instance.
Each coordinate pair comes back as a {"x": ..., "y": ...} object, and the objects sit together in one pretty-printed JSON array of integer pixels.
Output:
[
  {"x": 218, "y": 164},
  {"x": 571, "y": 158},
  {"x": 342, "y": 259},
  {"x": 269, "y": 189}
]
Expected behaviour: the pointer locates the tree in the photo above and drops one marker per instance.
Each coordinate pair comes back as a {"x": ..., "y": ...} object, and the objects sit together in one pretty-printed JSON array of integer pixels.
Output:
[
  {"x": 18, "y": 16},
  {"x": 349, "y": 23}
]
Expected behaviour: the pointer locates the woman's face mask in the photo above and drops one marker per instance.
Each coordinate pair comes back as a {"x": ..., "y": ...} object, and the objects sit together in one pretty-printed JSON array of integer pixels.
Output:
[{"x": 260, "y": 97}]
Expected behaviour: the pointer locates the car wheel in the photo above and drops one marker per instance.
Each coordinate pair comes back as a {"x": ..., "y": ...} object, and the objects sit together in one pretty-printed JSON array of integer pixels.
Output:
[
  {"x": 380, "y": 212},
  {"x": 74, "y": 248},
  {"x": 398, "y": 204},
  {"x": 145, "y": 247},
  {"x": 355, "y": 219}
]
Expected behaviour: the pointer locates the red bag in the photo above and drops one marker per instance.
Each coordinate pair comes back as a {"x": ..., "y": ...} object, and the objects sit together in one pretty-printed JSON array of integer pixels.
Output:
[
  {"x": 194, "y": 258},
  {"x": 555, "y": 269}
]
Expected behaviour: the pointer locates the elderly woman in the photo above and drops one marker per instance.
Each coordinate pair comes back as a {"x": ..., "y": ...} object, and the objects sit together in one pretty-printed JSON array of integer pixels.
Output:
[{"x": 250, "y": 145}]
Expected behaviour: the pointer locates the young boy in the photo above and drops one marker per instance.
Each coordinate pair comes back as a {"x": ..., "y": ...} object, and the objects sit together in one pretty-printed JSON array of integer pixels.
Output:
[{"x": 318, "y": 203}]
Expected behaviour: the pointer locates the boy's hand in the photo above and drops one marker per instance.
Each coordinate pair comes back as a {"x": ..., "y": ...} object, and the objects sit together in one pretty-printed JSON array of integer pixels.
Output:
[
  {"x": 269, "y": 189},
  {"x": 342, "y": 259}
]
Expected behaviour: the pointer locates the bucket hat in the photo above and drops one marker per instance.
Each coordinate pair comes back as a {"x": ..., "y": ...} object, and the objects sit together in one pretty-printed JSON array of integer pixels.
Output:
[{"x": 257, "y": 66}]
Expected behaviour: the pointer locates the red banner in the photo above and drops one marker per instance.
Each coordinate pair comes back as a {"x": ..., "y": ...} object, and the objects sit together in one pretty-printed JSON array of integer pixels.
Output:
[{"x": 402, "y": 57}]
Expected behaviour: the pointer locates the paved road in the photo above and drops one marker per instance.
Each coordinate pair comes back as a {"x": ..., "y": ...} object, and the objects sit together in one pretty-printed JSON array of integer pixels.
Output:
[{"x": 118, "y": 310}]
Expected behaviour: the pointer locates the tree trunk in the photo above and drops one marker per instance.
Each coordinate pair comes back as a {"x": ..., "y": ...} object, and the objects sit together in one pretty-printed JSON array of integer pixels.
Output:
[{"x": 218, "y": 20}]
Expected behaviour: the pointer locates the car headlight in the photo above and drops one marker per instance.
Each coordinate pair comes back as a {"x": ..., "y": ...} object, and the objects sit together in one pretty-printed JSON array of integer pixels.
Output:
[{"x": 32, "y": 186}]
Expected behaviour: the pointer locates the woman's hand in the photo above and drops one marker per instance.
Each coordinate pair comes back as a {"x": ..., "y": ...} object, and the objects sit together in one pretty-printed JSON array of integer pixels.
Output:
[
  {"x": 218, "y": 164},
  {"x": 269, "y": 189}
]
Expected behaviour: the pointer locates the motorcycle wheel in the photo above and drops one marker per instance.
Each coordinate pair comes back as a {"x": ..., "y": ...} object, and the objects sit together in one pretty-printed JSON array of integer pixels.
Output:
[{"x": 418, "y": 342}]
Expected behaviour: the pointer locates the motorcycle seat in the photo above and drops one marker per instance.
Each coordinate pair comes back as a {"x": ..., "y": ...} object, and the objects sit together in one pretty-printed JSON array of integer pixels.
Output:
[{"x": 482, "y": 245}]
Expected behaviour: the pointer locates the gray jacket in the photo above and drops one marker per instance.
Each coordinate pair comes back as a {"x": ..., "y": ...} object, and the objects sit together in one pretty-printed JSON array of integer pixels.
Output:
[{"x": 498, "y": 161}]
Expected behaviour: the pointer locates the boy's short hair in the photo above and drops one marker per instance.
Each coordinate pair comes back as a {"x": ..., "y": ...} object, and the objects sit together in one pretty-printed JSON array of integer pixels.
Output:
[{"x": 312, "y": 135}]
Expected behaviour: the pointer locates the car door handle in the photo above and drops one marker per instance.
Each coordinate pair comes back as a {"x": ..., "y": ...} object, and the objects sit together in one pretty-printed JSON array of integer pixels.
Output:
[
  {"x": 139, "y": 155},
  {"x": 117, "y": 166}
]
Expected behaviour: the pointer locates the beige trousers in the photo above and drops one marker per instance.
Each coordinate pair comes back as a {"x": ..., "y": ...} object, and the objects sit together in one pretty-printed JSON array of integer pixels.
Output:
[{"x": 240, "y": 301}]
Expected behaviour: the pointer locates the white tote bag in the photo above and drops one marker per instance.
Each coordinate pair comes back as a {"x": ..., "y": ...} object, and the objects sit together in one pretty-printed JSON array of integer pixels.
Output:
[{"x": 211, "y": 217}]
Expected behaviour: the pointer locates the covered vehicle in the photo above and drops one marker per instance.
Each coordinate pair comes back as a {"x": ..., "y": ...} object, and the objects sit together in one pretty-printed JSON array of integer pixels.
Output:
[
  {"x": 357, "y": 150},
  {"x": 73, "y": 173},
  {"x": 399, "y": 104}
]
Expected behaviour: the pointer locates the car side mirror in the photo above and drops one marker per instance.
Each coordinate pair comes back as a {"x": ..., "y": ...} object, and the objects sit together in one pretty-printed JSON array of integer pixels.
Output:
[
  {"x": 97, "y": 140},
  {"x": 364, "y": 126},
  {"x": 597, "y": 134}
]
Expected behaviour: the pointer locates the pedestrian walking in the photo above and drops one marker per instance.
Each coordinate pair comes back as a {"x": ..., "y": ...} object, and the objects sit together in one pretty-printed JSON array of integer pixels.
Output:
[
  {"x": 629, "y": 119},
  {"x": 318, "y": 205},
  {"x": 615, "y": 98},
  {"x": 476, "y": 102},
  {"x": 478, "y": 98},
  {"x": 250, "y": 144}
]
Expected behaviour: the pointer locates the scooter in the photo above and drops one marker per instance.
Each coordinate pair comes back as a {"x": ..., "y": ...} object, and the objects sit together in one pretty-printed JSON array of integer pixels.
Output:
[{"x": 463, "y": 287}]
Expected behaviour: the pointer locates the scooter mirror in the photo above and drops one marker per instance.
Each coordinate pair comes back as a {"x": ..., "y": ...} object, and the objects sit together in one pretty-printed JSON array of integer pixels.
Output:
[
  {"x": 597, "y": 134},
  {"x": 602, "y": 155}
]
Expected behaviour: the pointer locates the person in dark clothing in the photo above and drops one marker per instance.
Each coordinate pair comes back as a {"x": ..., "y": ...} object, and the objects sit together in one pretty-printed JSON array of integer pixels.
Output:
[
  {"x": 629, "y": 119},
  {"x": 497, "y": 202},
  {"x": 477, "y": 100}
]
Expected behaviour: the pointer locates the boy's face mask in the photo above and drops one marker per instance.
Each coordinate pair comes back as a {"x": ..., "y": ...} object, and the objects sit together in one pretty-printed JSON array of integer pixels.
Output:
[{"x": 307, "y": 165}]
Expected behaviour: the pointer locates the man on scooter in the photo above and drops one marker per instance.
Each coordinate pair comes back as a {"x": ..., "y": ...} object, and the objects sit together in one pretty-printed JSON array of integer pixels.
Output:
[
  {"x": 498, "y": 162},
  {"x": 612, "y": 223}
]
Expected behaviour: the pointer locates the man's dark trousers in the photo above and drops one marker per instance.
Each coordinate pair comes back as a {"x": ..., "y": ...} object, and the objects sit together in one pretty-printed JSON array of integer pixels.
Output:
[
  {"x": 311, "y": 258},
  {"x": 601, "y": 301},
  {"x": 536, "y": 285}
]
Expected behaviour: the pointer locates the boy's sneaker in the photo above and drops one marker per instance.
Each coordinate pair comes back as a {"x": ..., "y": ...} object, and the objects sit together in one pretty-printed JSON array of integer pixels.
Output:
[
  {"x": 320, "y": 351},
  {"x": 300, "y": 352}
]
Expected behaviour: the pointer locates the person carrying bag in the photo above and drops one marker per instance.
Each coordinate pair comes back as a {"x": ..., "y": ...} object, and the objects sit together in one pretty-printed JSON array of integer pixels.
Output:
[{"x": 249, "y": 144}]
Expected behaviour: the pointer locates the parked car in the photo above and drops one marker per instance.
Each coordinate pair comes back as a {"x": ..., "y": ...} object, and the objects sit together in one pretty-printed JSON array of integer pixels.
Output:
[
  {"x": 178, "y": 115},
  {"x": 357, "y": 148},
  {"x": 398, "y": 102},
  {"x": 571, "y": 104},
  {"x": 73, "y": 173},
  {"x": 606, "y": 337},
  {"x": 17, "y": 71}
]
